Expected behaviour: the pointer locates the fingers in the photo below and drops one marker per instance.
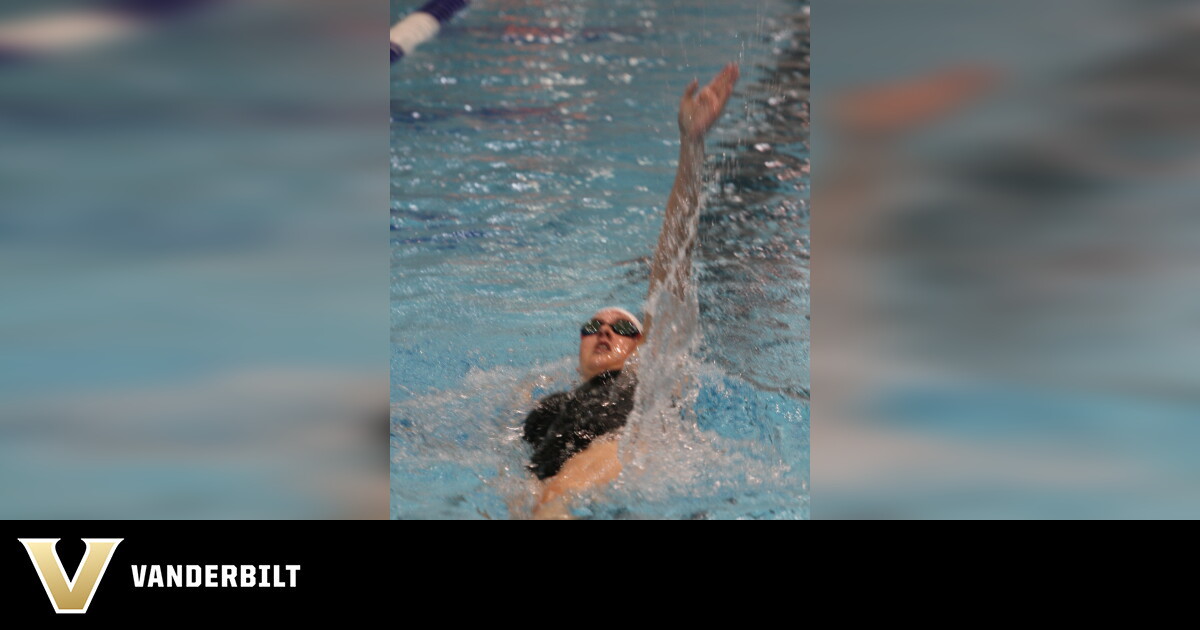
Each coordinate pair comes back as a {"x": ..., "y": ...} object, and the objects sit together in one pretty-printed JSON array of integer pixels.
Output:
[
  {"x": 728, "y": 75},
  {"x": 734, "y": 74},
  {"x": 734, "y": 71},
  {"x": 722, "y": 84},
  {"x": 701, "y": 107},
  {"x": 690, "y": 92}
]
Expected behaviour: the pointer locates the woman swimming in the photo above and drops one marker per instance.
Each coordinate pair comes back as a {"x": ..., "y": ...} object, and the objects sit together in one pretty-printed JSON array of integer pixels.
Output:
[{"x": 574, "y": 433}]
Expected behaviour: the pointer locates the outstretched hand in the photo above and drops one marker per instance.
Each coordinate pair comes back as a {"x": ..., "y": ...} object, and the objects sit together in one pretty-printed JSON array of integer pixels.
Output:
[{"x": 698, "y": 112}]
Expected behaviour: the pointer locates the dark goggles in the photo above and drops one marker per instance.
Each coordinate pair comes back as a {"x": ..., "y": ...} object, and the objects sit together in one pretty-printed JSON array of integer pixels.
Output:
[{"x": 622, "y": 327}]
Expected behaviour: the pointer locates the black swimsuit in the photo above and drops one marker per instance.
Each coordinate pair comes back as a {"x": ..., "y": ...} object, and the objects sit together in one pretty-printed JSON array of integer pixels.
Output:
[{"x": 565, "y": 423}]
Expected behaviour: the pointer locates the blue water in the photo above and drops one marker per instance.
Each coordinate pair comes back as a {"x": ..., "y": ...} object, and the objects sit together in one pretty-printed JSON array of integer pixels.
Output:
[{"x": 533, "y": 148}]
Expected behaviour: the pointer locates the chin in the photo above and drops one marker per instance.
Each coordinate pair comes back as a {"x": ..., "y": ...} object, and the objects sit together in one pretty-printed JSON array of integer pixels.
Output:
[{"x": 597, "y": 368}]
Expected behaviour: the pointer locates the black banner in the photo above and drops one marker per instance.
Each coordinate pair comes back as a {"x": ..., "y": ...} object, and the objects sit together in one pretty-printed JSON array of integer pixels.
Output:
[{"x": 192, "y": 570}]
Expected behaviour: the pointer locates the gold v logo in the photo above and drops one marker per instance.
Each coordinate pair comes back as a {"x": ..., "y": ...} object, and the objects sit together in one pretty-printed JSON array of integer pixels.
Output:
[{"x": 74, "y": 595}]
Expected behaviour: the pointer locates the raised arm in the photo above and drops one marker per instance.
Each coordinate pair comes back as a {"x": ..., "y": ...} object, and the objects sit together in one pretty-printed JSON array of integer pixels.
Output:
[
  {"x": 698, "y": 110},
  {"x": 599, "y": 464}
]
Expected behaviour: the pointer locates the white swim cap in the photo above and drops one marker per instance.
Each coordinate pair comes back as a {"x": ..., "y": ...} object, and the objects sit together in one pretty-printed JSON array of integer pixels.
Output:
[{"x": 624, "y": 313}]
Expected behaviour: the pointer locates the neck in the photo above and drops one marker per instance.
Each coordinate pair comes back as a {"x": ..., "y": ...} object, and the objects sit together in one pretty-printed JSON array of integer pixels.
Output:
[{"x": 588, "y": 377}]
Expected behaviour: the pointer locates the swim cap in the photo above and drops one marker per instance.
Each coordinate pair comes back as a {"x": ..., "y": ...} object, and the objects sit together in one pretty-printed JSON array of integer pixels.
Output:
[{"x": 624, "y": 313}]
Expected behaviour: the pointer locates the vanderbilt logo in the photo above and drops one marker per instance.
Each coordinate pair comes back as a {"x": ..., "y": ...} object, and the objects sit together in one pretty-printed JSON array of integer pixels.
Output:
[{"x": 73, "y": 595}]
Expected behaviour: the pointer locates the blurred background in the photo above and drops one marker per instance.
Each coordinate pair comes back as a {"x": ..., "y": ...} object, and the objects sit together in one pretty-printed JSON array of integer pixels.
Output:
[
  {"x": 194, "y": 259},
  {"x": 1005, "y": 245}
]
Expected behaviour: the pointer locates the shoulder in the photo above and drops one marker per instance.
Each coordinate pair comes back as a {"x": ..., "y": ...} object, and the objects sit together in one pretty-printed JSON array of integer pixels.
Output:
[
  {"x": 550, "y": 404},
  {"x": 553, "y": 400},
  {"x": 625, "y": 383}
]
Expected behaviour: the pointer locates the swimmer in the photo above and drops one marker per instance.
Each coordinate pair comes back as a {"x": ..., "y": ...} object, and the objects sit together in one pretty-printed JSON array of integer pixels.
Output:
[{"x": 574, "y": 434}]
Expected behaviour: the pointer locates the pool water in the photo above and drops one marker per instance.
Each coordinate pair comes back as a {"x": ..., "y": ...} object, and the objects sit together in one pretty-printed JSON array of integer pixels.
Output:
[{"x": 533, "y": 148}]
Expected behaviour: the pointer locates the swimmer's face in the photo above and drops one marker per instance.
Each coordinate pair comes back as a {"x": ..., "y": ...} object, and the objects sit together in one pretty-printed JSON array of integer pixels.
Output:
[{"x": 605, "y": 350}]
